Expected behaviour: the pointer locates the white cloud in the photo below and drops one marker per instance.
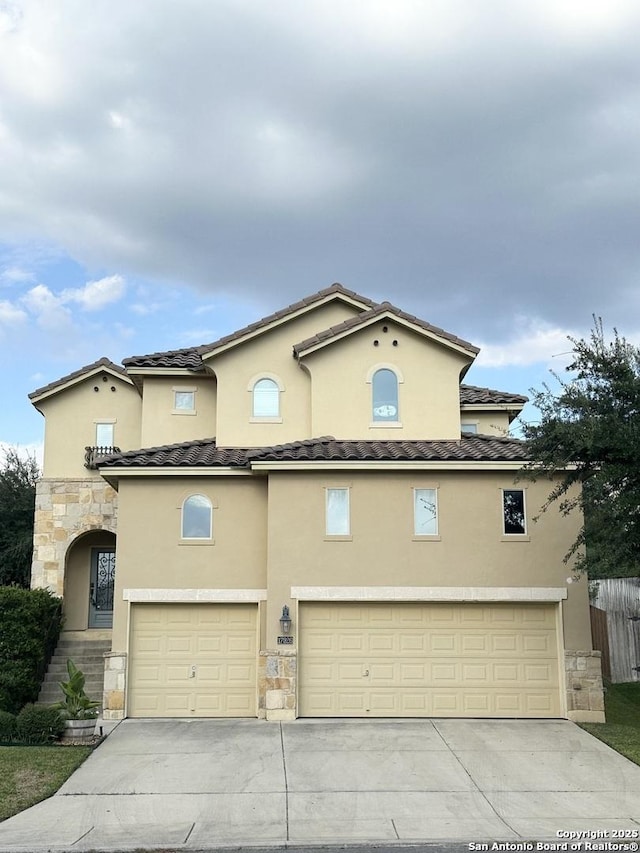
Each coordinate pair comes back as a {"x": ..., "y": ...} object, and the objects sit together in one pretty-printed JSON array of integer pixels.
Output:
[
  {"x": 534, "y": 342},
  {"x": 25, "y": 451},
  {"x": 96, "y": 294},
  {"x": 11, "y": 314},
  {"x": 15, "y": 275}
]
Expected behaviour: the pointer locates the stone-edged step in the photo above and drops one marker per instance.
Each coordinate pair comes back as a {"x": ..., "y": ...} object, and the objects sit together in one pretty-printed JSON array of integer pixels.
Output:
[{"x": 88, "y": 655}]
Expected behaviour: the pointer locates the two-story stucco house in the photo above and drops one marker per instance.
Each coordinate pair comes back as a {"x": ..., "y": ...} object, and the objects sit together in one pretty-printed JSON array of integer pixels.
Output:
[{"x": 310, "y": 517}]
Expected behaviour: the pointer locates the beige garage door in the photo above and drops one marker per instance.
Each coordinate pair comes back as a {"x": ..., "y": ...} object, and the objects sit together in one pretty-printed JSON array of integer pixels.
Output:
[
  {"x": 435, "y": 660},
  {"x": 193, "y": 660}
]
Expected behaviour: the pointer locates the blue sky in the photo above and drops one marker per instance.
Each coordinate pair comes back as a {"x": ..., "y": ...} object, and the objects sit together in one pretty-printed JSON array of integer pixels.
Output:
[{"x": 170, "y": 172}]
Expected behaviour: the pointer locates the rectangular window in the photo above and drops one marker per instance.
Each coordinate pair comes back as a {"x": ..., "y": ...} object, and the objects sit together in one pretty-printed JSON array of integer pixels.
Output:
[
  {"x": 184, "y": 401},
  {"x": 469, "y": 427},
  {"x": 337, "y": 515},
  {"x": 425, "y": 512},
  {"x": 513, "y": 512},
  {"x": 104, "y": 435}
]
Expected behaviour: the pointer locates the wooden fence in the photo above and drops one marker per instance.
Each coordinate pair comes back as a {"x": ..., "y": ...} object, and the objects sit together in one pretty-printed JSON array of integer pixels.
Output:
[{"x": 619, "y": 631}]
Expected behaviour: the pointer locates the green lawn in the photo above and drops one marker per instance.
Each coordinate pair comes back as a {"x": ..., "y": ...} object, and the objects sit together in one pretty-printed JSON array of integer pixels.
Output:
[
  {"x": 622, "y": 729},
  {"x": 29, "y": 774}
]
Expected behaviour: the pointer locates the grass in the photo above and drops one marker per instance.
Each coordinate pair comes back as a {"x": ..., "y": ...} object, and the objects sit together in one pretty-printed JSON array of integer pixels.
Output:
[
  {"x": 622, "y": 729},
  {"x": 29, "y": 774}
]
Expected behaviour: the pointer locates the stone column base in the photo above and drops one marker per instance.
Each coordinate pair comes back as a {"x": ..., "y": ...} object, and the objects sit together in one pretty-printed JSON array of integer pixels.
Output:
[
  {"x": 115, "y": 673},
  {"x": 585, "y": 693},
  {"x": 277, "y": 674}
]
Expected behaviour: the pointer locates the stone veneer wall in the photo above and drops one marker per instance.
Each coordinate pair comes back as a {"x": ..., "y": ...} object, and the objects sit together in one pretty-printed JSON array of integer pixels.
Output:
[
  {"x": 115, "y": 668},
  {"x": 585, "y": 694},
  {"x": 277, "y": 676},
  {"x": 64, "y": 510}
]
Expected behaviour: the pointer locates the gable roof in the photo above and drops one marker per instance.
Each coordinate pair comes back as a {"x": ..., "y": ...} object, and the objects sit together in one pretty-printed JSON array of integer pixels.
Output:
[
  {"x": 102, "y": 364},
  {"x": 384, "y": 309},
  {"x": 205, "y": 453},
  {"x": 192, "y": 358}
]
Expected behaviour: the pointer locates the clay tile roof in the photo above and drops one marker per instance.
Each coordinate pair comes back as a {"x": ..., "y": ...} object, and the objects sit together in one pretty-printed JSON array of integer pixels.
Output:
[
  {"x": 470, "y": 448},
  {"x": 367, "y": 316},
  {"x": 191, "y": 358},
  {"x": 205, "y": 452},
  {"x": 470, "y": 394},
  {"x": 78, "y": 374},
  {"x": 191, "y": 454}
]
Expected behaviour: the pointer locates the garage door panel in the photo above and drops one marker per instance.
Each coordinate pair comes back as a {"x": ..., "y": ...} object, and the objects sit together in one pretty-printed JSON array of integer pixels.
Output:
[
  {"x": 463, "y": 660},
  {"x": 193, "y": 660}
]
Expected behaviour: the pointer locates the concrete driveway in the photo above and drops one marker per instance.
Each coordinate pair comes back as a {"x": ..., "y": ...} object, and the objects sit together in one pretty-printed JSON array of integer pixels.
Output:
[{"x": 193, "y": 784}]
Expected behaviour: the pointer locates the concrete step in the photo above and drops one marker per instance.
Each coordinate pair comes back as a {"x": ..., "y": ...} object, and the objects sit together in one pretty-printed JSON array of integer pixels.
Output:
[
  {"x": 88, "y": 666},
  {"x": 87, "y": 653}
]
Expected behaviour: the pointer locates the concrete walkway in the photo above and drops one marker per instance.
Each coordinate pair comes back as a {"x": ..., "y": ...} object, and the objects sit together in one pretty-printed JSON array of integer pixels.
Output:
[{"x": 194, "y": 784}]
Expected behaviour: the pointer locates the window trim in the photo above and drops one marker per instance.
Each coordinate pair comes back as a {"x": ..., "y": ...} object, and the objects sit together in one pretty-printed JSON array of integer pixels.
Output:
[
  {"x": 196, "y": 540},
  {"x": 426, "y": 537},
  {"x": 110, "y": 422},
  {"x": 184, "y": 389},
  {"x": 337, "y": 537},
  {"x": 371, "y": 375},
  {"x": 265, "y": 419},
  {"x": 514, "y": 537}
]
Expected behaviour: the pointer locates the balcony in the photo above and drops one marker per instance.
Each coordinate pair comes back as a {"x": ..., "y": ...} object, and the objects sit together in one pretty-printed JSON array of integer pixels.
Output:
[{"x": 93, "y": 455}]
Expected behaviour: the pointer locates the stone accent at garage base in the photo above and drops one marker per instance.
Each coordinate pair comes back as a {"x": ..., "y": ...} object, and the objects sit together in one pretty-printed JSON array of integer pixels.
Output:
[
  {"x": 277, "y": 676},
  {"x": 64, "y": 510},
  {"x": 585, "y": 694},
  {"x": 115, "y": 673}
]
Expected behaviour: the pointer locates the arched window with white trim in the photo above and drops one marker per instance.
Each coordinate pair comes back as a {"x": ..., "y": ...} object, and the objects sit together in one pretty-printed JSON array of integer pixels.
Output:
[
  {"x": 266, "y": 399},
  {"x": 384, "y": 393},
  {"x": 197, "y": 517}
]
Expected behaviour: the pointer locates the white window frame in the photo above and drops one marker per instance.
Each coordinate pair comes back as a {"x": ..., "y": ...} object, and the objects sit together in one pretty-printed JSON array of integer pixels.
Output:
[
  {"x": 179, "y": 389},
  {"x": 525, "y": 533},
  {"x": 268, "y": 418},
  {"x": 469, "y": 426},
  {"x": 106, "y": 423},
  {"x": 205, "y": 537},
  {"x": 341, "y": 531},
  {"x": 417, "y": 535}
]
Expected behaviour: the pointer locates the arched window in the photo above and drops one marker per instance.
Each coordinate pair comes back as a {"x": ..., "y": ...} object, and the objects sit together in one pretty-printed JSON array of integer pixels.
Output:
[
  {"x": 197, "y": 518},
  {"x": 266, "y": 399},
  {"x": 385, "y": 395}
]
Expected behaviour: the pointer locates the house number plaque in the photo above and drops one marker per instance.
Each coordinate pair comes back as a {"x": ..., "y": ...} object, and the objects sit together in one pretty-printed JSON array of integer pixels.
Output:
[{"x": 285, "y": 641}]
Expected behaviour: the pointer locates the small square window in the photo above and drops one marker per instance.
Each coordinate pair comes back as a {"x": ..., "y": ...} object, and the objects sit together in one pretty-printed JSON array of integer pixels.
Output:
[
  {"x": 425, "y": 512},
  {"x": 184, "y": 401},
  {"x": 469, "y": 427},
  {"x": 513, "y": 512},
  {"x": 104, "y": 435},
  {"x": 337, "y": 512}
]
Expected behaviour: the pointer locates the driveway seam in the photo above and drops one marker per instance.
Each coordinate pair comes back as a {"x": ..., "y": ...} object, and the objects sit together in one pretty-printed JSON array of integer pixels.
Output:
[
  {"x": 473, "y": 781},
  {"x": 286, "y": 782}
]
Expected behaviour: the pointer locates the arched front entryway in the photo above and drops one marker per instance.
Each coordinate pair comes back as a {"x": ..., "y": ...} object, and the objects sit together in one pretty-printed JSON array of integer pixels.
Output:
[{"x": 89, "y": 581}]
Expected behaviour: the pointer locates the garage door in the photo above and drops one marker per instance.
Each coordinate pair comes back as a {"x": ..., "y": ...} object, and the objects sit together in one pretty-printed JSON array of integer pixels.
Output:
[
  {"x": 435, "y": 660},
  {"x": 193, "y": 660}
]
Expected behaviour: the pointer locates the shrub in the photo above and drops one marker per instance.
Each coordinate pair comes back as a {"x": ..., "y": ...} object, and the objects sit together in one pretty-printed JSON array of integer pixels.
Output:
[
  {"x": 39, "y": 724},
  {"x": 76, "y": 705},
  {"x": 30, "y": 622},
  {"x": 7, "y": 727}
]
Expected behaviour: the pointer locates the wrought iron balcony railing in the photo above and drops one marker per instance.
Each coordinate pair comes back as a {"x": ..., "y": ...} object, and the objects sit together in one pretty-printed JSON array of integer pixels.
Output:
[{"x": 92, "y": 455}]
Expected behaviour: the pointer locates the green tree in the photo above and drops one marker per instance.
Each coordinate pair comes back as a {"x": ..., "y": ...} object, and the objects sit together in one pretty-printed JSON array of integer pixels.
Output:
[
  {"x": 589, "y": 437},
  {"x": 18, "y": 475}
]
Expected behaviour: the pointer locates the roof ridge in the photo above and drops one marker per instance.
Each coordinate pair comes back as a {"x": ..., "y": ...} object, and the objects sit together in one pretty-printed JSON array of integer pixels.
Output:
[
  {"x": 375, "y": 311},
  {"x": 76, "y": 374},
  {"x": 306, "y": 301}
]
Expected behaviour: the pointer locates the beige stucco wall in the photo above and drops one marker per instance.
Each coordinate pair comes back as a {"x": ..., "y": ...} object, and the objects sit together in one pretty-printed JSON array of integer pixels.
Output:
[
  {"x": 270, "y": 355},
  {"x": 428, "y": 393},
  {"x": 150, "y": 553},
  {"x": 471, "y": 551},
  {"x": 70, "y": 422},
  {"x": 488, "y": 423},
  {"x": 162, "y": 425}
]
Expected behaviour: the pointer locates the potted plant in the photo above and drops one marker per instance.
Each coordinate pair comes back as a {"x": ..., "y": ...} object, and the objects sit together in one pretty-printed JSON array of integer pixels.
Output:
[{"x": 78, "y": 710}]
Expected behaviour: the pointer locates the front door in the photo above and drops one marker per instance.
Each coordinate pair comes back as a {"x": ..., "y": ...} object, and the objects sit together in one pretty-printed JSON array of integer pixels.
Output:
[{"x": 103, "y": 573}]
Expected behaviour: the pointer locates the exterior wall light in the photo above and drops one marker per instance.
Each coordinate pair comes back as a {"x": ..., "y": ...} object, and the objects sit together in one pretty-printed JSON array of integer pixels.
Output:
[{"x": 285, "y": 620}]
